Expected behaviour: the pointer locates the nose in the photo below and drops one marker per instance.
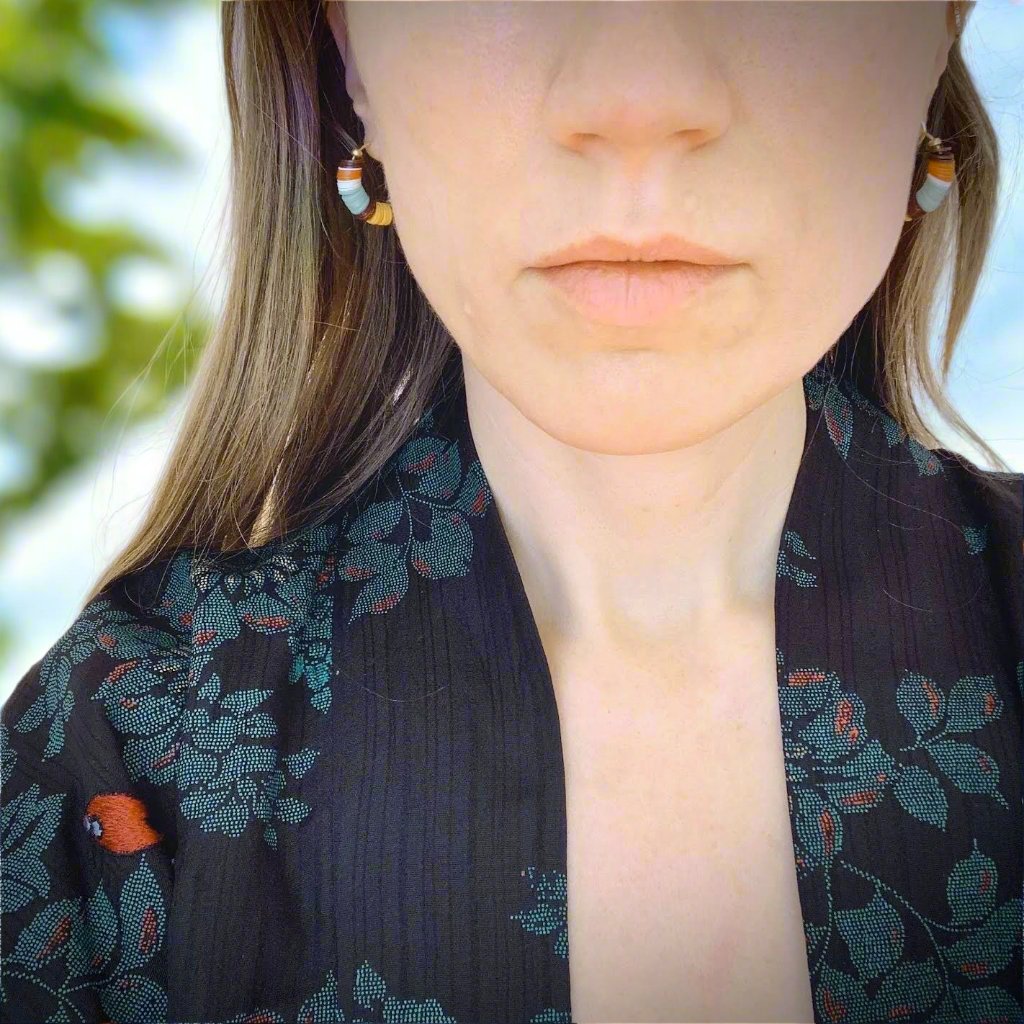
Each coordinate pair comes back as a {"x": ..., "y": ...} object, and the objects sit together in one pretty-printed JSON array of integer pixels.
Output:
[{"x": 635, "y": 79}]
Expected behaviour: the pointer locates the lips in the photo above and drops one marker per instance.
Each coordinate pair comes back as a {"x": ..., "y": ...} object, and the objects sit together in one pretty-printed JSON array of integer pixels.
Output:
[{"x": 632, "y": 293}]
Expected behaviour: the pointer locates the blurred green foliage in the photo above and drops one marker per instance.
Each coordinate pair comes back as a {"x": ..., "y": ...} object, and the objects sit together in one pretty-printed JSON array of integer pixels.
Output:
[{"x": 56, "y": 114}]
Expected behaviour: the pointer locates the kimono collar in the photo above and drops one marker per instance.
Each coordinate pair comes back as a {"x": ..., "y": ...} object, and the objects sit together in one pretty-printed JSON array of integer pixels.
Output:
[{"x": 896, "y": 670}]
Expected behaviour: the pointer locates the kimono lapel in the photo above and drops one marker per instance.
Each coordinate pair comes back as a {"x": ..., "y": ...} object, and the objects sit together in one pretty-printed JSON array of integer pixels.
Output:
[
  {"x": 901, "y": 725},
  {"x": 898, "y": 702}
]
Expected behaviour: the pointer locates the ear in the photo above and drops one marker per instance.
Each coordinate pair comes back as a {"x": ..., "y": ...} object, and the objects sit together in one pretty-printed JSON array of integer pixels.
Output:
[
  {"x": 947, "y": 44},
  {"x": 334, "y": 10},
  {"x": 335, "y": 13}
]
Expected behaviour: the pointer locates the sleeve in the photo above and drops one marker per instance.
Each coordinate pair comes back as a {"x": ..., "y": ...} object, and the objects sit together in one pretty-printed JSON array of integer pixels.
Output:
[{"x": 86, "y": 840}]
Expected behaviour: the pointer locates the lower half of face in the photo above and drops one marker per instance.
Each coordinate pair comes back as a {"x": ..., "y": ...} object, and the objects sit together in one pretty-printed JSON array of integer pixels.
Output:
[{"x": 784, "y": 136}]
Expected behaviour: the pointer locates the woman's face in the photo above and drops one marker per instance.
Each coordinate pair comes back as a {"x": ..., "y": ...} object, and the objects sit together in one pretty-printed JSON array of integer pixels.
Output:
[{"x": 783, "y": 135}]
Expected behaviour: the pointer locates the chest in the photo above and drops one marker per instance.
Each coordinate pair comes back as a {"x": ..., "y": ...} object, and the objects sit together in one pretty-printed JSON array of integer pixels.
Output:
[{"x": 682, "y": 892}]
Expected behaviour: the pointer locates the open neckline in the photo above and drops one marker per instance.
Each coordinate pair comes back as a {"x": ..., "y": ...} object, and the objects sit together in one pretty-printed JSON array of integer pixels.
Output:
[{"x": 453, "y": 422}]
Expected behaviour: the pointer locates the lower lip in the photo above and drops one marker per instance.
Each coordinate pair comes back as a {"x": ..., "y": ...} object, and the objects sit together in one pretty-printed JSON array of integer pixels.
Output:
[{"x": 632, "y": 293}]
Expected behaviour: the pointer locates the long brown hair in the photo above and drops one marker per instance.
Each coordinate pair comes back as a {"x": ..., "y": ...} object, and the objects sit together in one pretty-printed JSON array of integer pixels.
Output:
[{"x": 326, "y": 351}]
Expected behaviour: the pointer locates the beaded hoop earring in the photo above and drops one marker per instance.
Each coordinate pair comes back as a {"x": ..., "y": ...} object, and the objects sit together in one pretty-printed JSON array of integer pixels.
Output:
[
  {"x": 940, "y": 172},
  {"x": 355, "y": 197}
]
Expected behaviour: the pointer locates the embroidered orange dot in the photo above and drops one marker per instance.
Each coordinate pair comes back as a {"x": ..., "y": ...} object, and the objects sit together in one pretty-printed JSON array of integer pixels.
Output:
[{"x": 117, "y": 821}]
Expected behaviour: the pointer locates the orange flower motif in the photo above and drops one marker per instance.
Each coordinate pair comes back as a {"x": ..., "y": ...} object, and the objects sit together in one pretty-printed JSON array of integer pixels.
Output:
[{"x": 117, "y": 821}]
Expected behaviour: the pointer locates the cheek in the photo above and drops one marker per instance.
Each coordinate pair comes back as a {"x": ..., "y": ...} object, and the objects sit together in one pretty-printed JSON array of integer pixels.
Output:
[
  {"x": 837, "y": 191},
  {"x": 818, "y": 161}
]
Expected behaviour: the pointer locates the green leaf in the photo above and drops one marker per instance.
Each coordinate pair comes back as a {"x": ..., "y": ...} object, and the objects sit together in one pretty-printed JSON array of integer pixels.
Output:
[
  {"x": 971, "y": 888},
  {"x": 970, "y": 768},
  {"x": 874, "y": 935},
  {"x": 908, "y": 991},
  {"x": 143, "y": 918},
  {"x": 323, "y": 1006},
  {"x": 988, "y": 949},
  {"x": 838, "y": 997},
  {"x": 474, "y": 495},
  {"x": 921, "y": 795},
  {"x": 920, "y": 701},
  {"x": 981, "y": 1003},
  {"x": 369, "y": 986},
  {"x": 973, "y": 703}
]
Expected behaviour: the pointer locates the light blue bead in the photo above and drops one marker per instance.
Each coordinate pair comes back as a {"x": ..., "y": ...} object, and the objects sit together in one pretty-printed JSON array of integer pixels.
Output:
[
  {"x": 355, "y": 198},
  {"x": 931, "y": 194}
]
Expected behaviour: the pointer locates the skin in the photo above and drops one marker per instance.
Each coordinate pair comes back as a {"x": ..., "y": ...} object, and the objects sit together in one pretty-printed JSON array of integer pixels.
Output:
[{"x": 643, "y": 474}]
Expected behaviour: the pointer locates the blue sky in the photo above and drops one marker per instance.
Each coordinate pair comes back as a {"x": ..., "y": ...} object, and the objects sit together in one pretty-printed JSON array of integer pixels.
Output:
[{"x": 170, "y": 66}]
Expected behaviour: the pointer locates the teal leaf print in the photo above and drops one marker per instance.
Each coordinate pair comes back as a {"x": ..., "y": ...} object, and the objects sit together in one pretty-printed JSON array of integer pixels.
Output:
[
  {"x": 281, "y": 588},
  {"x": 225, "y": 776},
  {"x": 28, "y": 823},
  {"x": 425, "y": 527},
  {"x": 909, "y": 990},
  {"x": 976, "y": 537},
  {"x": 819, "y": 828},
  {"x": 968, "y": 767},
  {"x": 836, "y": 768},
  {"x": 920, "y": 702},
  {"x": 436, "y": 461},
  {"x": 474, "y": 495},
  {"x": 369, "y": 986},
  {"x": 371, "y": 993},
  {"x": 971, "y": 888},
  {"x": 926, "y": 460},
  {"x": 103, "y": 929},
  {"x": 839, "y": 997},
  {"x": 386, "y": 589},
  {"x": 967, "y": 955},
  {"x": 85, "y": 937},
  {"x": 824, "y": 784},
  {"x": 804, "y": 690},
  {"x": 823, "y": 390},
  {"x": 8, "y": 756},
  {"x": 973, "y": 703},
  {"x": 100, "y": 627},
  {"x": 792, "y": 543},
  {"x": 548, "y": 915},
  {"x": 979, "y": 1003},
  {"x": 323, "y": 1006},
  {"x": 56, "y": 932},
  {"x": 837, "y": 729},
  {"x": 874, "y": 936},
  {"x": 921, "y": 795},
  {"x": 207, "y": 747},
  {"x": 988, "y": 949},
  {"x": 143, "y": 918},
  {"x": 839, "y": 396},
  {"x": 134, "y": 997}
]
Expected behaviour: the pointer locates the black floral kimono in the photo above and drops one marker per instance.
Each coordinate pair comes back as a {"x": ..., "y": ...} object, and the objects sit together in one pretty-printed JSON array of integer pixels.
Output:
[{"x": 322, "y": 780}]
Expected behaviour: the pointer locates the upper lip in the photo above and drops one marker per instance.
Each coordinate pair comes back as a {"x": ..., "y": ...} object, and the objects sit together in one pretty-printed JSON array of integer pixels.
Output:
[{"x": 661, "y": 247}]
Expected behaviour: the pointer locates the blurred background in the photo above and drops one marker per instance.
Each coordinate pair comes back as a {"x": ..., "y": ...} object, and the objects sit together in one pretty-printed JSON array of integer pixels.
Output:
[{"x": 114, "y": 146}]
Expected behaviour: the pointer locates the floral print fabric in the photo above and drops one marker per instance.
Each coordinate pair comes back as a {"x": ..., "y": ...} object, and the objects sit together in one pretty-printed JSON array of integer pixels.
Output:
[{"x": 322, "y": 780}]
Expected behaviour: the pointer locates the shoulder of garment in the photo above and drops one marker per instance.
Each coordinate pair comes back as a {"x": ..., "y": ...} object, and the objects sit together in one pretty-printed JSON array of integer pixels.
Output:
[
  {"x": 86, "y": 737},
  {"x": 123, "y": 730},
  {"x": 140, "y": 718},
  {"x": 159, "y": 708}
]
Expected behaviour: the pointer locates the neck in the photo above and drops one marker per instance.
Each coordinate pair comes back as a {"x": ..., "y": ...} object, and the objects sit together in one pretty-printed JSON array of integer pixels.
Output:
[{"x": 620, "y": 550}]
